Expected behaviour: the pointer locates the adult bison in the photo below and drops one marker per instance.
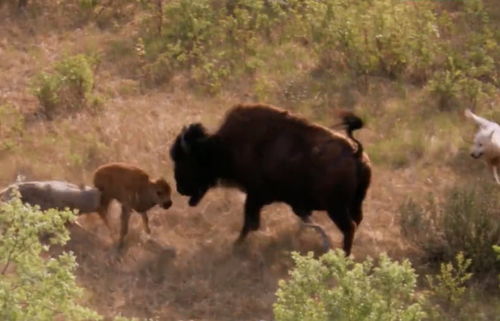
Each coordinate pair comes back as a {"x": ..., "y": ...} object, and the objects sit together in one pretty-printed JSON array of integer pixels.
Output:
[{"x": 274, "y": 156}]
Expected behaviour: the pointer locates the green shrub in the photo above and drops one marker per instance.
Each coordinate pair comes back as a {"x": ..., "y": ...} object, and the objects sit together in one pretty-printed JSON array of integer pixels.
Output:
[
  {"x": 467, "y": 221},
  {"x": 496, "y": 249},
  {"x": 449, "y": 285},
  {"x": 446, "y": 86},
  {"x": 470, "y": 75},
  {"x": 88, "y": 4},
  {"x": 210, "y": 39},
  {"x": 189, "y": 33},
  {"x": 214, "y": 40},
  {"x": 191, "y": 30},
  {"x": 11, "y": 126},
  {"x": 334, "y": 287},
  {"x": 380, "y": 37},
  {"x": 68, "y": 87},
  {"x": 466, "y": 80},
  {"x": 31, "y": 287}
]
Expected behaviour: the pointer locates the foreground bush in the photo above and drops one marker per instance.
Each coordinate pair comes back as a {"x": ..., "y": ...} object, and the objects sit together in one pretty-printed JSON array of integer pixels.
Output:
[
  {"x": 334, "y": 287},
  {"x": 31, "y": 287},
  {"x": 467, "y": 221}
]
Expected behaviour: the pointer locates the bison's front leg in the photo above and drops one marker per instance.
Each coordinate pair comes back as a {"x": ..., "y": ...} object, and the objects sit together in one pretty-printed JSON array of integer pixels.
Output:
[{"x": 252, "y": 216}]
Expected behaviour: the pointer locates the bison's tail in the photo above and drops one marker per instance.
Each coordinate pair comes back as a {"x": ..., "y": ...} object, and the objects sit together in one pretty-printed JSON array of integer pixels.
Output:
[{"x": 351, "y": 123}]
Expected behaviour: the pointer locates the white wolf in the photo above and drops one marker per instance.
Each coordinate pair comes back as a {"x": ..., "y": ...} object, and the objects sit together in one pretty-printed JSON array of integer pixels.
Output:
[{"x": 487, "y": 142}]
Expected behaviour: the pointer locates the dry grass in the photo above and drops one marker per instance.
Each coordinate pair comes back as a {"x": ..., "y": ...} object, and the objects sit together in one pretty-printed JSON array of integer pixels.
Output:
[{"x": 189, "y": 270}]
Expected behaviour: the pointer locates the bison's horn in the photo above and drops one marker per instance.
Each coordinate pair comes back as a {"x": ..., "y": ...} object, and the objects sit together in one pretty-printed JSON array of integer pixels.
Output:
[{"x": 184, "y": 144}]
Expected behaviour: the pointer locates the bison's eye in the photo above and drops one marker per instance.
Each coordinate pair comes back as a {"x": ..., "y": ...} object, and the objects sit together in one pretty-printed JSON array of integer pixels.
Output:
[{"x": 159, "y": 193}]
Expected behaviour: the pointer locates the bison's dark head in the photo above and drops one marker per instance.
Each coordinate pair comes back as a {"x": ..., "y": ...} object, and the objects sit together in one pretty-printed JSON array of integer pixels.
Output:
[{"x": 192, "y": 155}]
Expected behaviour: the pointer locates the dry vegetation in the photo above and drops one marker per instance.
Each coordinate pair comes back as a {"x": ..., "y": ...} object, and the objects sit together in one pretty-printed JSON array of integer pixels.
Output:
[{"x": 191, "y": 272}]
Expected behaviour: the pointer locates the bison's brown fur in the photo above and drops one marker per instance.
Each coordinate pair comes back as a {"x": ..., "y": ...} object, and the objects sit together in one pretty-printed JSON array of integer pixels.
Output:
[
  {"x": 273, "y": 155},
  {"x": 133, "y": 188}
]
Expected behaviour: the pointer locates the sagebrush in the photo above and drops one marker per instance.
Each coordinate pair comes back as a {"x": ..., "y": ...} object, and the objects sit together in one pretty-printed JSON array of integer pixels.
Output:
[
  {"x": 466, "y": 221},
  {"x": 68, "y": 87},
  {"x": 334, "y": 287},
  {"x": 34, "y": 285}
]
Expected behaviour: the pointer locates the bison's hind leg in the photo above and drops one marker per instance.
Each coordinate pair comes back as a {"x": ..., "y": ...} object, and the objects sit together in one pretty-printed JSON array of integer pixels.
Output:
[
  {"x": 341, "y": 217},
  {"x": 305, "y": 216},
  {"x": 357, "y": 213}
]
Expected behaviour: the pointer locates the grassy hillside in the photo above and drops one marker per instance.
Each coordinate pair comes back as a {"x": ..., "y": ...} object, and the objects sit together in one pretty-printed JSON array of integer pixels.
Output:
[{"x": 144, "y": 69}]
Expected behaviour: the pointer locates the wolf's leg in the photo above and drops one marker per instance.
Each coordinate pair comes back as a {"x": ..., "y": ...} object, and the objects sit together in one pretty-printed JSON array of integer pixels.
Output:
[{"x": 495, "y": 173}]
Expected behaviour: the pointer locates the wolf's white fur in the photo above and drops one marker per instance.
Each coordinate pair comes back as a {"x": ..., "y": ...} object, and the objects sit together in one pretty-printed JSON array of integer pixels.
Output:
[{"x": 487, "y": 142}]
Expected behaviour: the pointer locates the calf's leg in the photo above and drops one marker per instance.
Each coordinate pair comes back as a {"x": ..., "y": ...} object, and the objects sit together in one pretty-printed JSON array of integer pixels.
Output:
[
  {"x": 125, "y": 216},
  {"x": 145, "y": 221},
  {"x": 103, "y": 210}
]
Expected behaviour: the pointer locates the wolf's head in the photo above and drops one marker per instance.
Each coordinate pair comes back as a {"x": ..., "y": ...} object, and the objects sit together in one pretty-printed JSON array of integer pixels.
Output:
[
  {"x": 482, "y": 143},
  {"x": 485, "y": 141}
]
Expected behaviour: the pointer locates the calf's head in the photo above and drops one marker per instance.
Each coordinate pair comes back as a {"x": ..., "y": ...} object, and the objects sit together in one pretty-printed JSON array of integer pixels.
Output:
[
  {"x": 192, "y": 156},
  {"x": 160, "y": 193}
]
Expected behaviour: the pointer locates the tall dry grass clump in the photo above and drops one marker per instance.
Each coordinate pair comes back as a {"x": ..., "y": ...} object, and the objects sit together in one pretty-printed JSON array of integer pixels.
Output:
[{"x": 467, "y": 221}]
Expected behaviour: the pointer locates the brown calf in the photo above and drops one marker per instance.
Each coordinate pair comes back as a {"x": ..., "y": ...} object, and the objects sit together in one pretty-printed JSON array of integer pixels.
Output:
[{"x": 133, "y": 188}]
